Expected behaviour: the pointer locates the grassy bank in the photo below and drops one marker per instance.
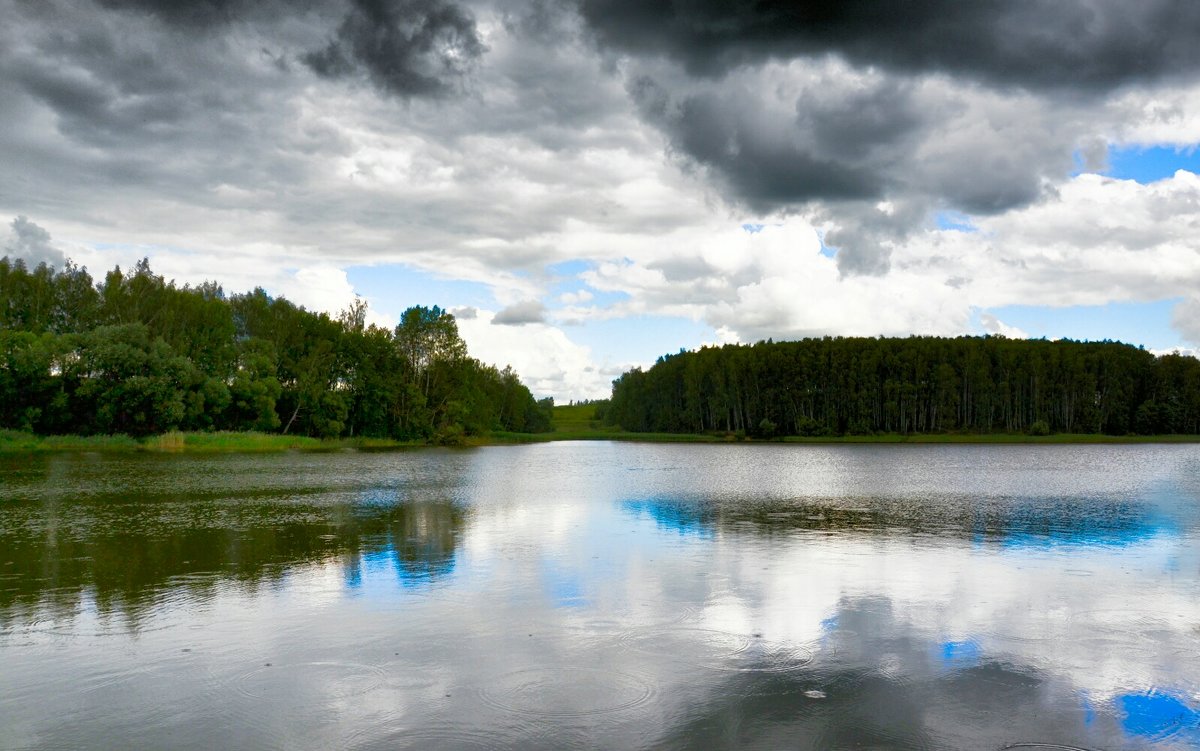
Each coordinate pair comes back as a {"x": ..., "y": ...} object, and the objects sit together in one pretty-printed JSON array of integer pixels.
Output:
[
  {"x": 992, "y": 438},
  {"x": 17, "y": 442},
  {"x": 501, "y": 438}
]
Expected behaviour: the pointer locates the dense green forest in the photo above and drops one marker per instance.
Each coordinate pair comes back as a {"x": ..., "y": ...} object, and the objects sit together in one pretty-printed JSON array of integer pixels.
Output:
[
  {"x": 136, "y": 354},
  {"x": 861, "y": 386}
]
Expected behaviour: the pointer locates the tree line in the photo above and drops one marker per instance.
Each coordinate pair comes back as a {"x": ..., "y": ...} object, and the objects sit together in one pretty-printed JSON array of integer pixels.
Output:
[
  {"x": 861, "y": 386},
  {"x": 137, "y": 354}
]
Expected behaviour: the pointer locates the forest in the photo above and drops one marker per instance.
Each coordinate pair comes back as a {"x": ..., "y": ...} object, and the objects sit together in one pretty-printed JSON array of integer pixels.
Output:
[
  {"x": 839, "y": 386},
  {"x": 138, "y": 355}
]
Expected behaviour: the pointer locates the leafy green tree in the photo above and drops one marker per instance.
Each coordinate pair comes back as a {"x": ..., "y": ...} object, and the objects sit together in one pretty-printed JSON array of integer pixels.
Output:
[
  {"x": 131, "y": 383},
  {"x": 254, "y": 389},
  {"x": 427, "y": 337},
  {"x": 137, "y": 354}
]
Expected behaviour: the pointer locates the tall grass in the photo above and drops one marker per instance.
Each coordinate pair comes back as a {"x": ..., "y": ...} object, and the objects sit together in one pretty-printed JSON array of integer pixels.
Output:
[
  {"x": 172, "y": 441},
  {"x": 21, "y": 442},
  {"x": 176, "y": 441},
  {"x": 228, "y": 441}
]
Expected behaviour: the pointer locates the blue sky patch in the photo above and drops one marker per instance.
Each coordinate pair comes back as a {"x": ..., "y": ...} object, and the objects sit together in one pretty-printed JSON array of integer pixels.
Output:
[
  {"x": 1139, "y": 323},
  {"x": 600, "y": 298},
  {"x": 394, "y": 288},
  {"x": 570, "y": 268},
  {"x": 954, "y": 220},
  {"x": 1150, "y": 164},
  {"x": 826, "y": 250},
  {"x": 640, "y": 338}
]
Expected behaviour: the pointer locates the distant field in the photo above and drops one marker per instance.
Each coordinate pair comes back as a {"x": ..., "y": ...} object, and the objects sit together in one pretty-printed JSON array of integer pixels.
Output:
[{"x": 579, "y": 418}]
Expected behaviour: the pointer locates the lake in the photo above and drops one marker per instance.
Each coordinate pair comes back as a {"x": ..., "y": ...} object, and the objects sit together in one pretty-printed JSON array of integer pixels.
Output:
[{"x": 604, "y": 595}]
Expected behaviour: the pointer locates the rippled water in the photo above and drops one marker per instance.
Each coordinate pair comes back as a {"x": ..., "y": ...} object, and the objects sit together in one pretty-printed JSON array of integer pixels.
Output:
[{"x": 596, "y": 595}]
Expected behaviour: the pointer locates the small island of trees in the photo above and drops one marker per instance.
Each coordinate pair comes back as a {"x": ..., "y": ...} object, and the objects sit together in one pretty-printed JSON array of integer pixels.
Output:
[{"x": 137, "y": 355}]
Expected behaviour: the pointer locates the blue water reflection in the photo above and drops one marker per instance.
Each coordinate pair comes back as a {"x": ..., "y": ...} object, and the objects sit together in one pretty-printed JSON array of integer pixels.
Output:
[
  {"x": 720, "y": 597},
  {"x": 1088, "y": 522},
  {"x": 564, "y": 586},
  {"x": 956, "y": 655},
  {"x": 384, "y": 572},
  {"x": 1028, "y": 523},
  {"x": 1158, "y": 715},
  {"x": 686, "y": 518}
]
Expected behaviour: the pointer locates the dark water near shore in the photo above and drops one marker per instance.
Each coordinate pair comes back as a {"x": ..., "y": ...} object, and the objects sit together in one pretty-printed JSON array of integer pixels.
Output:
[{"x": 594, "y": 595}]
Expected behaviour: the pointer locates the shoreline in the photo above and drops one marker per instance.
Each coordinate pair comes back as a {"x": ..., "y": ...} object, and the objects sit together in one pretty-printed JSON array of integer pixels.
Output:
[
  {"x": 882, "y": 438},
  {"x": 16, "y": 443}
]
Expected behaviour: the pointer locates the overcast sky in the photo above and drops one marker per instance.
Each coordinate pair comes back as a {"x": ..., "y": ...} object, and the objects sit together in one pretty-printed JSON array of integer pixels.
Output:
[{"x": 591, "y": 184}]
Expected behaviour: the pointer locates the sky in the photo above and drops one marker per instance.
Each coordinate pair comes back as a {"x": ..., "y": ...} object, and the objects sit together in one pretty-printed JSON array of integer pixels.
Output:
[{"x": 590, "y": 184}]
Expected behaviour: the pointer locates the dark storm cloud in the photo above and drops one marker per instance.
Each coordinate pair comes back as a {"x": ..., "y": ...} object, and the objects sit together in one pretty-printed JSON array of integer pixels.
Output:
[
  {"x": 92, "y": 110},
  {"x": 192, "y": 13},
  {"x": 405, "y": 47},
  {"x": 842, "y": 149},
  {"x": 764, "y": 167},
  {"x": 859, "y": 120},
  {"x": 117, "y": 80},
  {"x": 540, "y": 20},
  {"x": 128, "y": 116},
  {"x": 1028, "y": 43},
  {"x": 763, "y": 164},
  {"x": 861, "y": 126},
  {"x": 330, "y": 126}
]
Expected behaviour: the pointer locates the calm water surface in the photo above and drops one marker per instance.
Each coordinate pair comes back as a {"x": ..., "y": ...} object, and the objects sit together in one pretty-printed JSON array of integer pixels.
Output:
[{"x": 596, "y": 595}]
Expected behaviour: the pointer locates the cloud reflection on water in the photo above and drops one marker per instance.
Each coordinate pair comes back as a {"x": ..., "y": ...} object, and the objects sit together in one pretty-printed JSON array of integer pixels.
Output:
[{"x": 474, "y": 592}]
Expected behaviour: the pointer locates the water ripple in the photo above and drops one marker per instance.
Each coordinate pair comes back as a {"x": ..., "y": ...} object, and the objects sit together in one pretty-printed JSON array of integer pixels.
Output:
[
  {"x": 280, "y": 683},
  {"x": 1053, "y": 746},
  {"x": 429, "y": 738},
  {"x": 567, "y": 692},
  {"x": 721, "y": 650}
]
